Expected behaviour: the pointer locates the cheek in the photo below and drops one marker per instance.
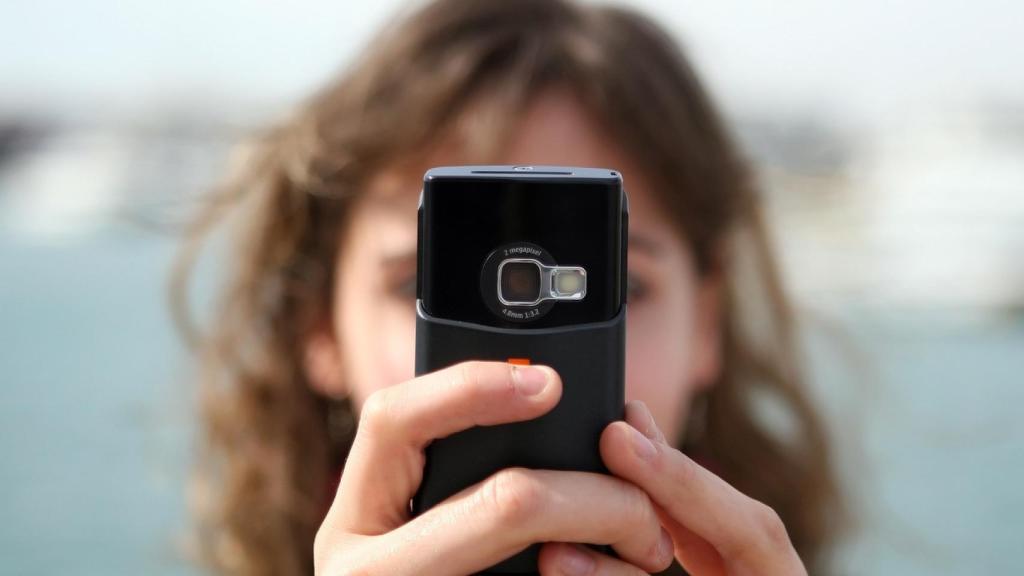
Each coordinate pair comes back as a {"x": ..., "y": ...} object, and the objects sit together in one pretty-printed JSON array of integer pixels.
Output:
[
  {"x": 399, "y": 342},
  {"x": 377, "y": 336},
  {"x": 659, "y": 354},
  {"x": 378, "y": 344}
]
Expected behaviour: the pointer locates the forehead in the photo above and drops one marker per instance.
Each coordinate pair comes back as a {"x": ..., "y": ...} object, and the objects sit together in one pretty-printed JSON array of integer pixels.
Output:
[
  {"x": 557, "y": 129},
  {"x": 554, "y": 129}
]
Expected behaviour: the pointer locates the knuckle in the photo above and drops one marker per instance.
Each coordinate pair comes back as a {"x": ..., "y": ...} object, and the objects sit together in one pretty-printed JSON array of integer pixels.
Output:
[
  {"x": 766, "y": 536},
  {"x": 513, "y": 495},
  {"x": 468, "y": 373},
  {"x": 641, "y": 521},
  {"x": 468, "y": 376},
  {"x": 637, "y": 506},
  {"x": 763, "y": 535},
  {"x": 770, "y": 526},
  {"x": 683, "y": 470},
  {"x": 376, "y": 414},
  {"x": 330, "y": 557},
  {"x": 479, "y": 379}
]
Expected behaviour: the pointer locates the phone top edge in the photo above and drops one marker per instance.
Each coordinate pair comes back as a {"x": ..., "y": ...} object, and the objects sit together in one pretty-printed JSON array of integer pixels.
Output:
[{"x": 521, "y": 172}]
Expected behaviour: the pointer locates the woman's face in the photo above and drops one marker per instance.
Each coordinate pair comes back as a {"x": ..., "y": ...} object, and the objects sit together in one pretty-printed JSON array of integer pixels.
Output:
[{"x": 672, "y": 345}]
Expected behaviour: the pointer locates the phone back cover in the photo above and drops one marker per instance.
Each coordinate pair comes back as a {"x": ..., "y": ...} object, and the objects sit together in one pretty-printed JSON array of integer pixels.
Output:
[
  {"x": 590, "y": 360},
  {"x": 579, "y": 216}
]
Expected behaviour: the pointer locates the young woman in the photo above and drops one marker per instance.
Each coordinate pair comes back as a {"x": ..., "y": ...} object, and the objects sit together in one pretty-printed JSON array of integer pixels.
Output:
[{"x": 308, "y": 364}]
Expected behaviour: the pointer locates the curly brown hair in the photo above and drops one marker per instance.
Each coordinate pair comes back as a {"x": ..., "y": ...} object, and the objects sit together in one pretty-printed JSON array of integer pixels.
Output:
[{"x": 272, "y": 446}]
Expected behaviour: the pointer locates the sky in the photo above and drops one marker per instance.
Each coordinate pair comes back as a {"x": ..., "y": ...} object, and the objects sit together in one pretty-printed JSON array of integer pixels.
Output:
[{"x": 868, "y": 59}]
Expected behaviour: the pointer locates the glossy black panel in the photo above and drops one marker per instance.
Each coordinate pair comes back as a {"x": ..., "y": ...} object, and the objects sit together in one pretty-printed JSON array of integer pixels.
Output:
[{"x": 574, "y": 214}]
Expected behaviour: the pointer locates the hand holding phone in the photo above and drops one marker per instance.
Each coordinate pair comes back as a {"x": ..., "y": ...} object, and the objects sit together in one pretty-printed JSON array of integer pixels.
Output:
[{"x": 369, "y": 529}]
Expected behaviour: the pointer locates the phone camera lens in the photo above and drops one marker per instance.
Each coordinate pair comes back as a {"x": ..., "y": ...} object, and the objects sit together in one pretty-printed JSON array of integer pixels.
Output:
[{"x": 520, "y": 283}]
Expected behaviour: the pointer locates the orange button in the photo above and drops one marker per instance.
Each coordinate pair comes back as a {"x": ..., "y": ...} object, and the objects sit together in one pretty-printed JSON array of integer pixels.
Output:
[{"x": 519, "y": 361}]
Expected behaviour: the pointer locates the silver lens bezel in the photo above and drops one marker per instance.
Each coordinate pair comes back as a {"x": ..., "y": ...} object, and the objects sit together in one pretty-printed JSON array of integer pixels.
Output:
[{"x": 547, "y": 286}]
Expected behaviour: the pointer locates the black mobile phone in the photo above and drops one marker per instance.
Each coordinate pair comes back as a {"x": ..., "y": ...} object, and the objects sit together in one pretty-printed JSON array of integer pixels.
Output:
[{"x": 523, "y": 264}]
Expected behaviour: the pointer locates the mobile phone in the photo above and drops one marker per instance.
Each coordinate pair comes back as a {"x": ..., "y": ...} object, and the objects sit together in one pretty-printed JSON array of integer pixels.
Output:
[{"x": 525, "y": 264}]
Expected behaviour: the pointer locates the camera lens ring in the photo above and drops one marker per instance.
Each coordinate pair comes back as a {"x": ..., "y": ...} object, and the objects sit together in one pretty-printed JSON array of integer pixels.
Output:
[
  {"x": 490, "y": 282},
  {"x": 519, "y": 282}
]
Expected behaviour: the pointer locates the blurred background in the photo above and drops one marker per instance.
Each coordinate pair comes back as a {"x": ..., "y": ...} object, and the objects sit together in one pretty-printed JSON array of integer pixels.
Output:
[{"x": 889, "y": 136}]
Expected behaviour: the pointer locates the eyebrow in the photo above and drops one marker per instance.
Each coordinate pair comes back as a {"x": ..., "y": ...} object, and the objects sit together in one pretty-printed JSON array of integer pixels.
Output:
[
  {"x": 645, "y": 244},
  {"x": 396, "y": 204},
  {"x": 403, "y": 258}
]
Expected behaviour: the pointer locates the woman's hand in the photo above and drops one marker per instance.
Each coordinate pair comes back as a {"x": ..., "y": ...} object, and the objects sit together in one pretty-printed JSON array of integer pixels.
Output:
[
  {"x": 368, "y": 529},
  {"x": 716, "y": 529}
]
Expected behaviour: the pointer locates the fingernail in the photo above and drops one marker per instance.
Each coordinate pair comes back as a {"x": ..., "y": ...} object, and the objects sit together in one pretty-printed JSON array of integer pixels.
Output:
[
  {"x": 529, "y": 380},
  {"x": 666, "y": 547},
  {"x": 651, "y": 429},
  {"x": 642, "y": 446},
  {"x": 575, "y": 562}
]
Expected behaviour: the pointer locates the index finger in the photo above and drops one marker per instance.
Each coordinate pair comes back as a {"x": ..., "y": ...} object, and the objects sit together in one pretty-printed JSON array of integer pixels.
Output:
[
  {"x": 385, "y": 465},
  {"x": 743, "y": 531}
]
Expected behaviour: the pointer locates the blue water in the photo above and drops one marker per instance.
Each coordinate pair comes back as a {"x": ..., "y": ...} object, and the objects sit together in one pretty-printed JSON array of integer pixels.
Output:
[
  {"x": 94, "y": 421},
  {"x": 927, "y": 412},
  {"x": 96, "y": 428}
]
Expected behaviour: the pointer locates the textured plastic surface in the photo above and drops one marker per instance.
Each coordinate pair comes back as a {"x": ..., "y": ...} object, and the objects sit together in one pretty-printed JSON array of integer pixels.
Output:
[{"x": 590, "y": 358}]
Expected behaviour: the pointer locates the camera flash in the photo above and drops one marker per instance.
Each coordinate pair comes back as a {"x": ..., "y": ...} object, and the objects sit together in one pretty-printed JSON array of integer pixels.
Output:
[
  {"x": 528, "y": 282},
  {"x": 570, "y": 283}
]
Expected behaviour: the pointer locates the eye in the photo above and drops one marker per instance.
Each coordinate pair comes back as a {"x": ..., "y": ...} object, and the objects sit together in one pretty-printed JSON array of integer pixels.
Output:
[
  {"x": 403, "y": 288},
  {"x": 636, "y": 288}
]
